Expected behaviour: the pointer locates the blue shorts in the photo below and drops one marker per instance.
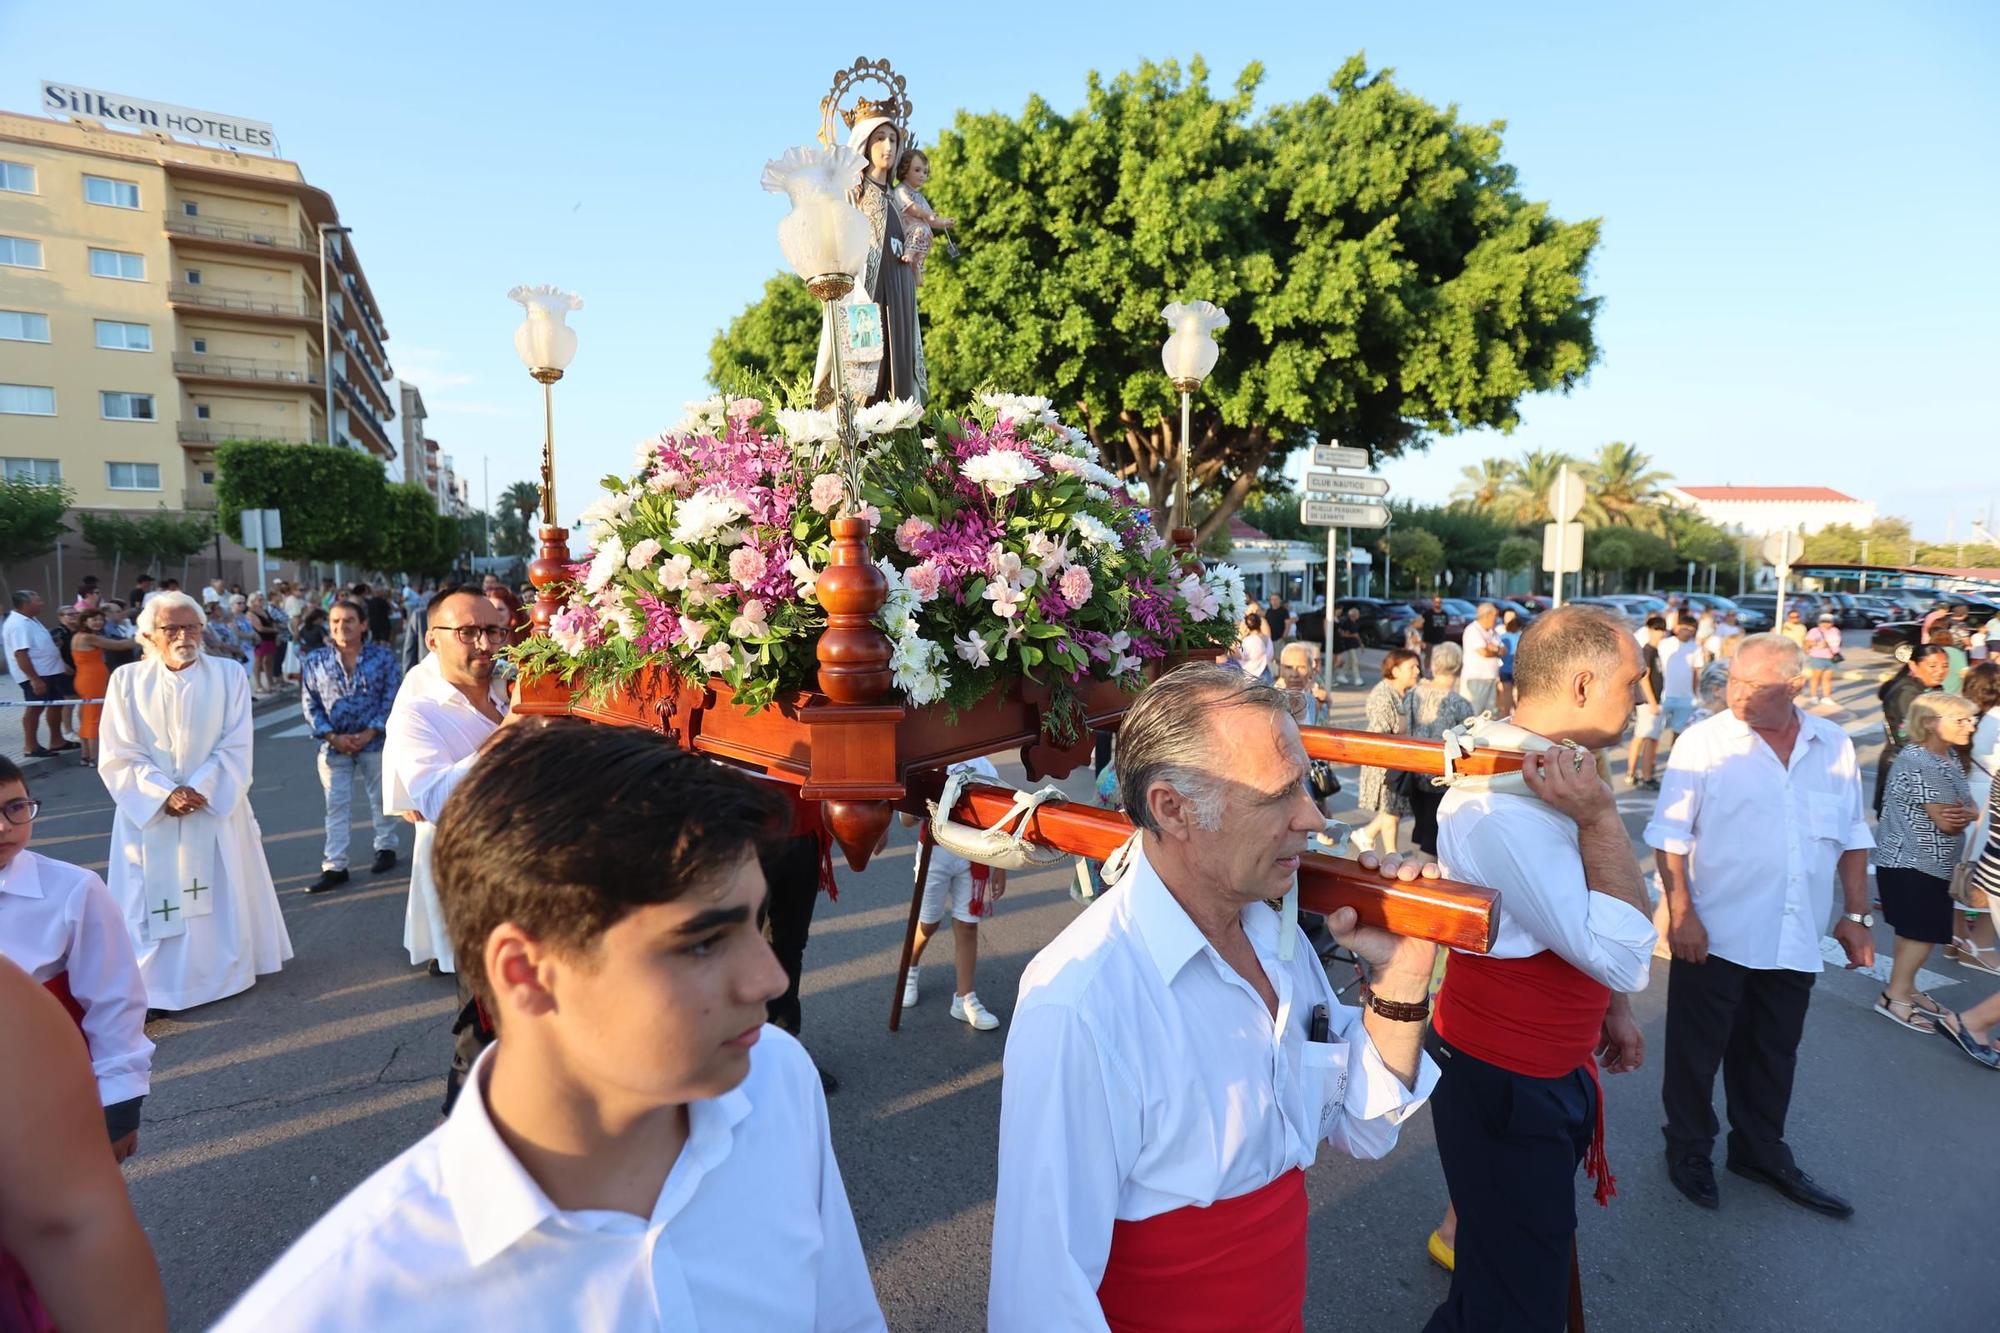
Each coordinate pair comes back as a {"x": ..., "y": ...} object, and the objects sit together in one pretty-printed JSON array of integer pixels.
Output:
[
  {"x": 1677, "y": 712},
  {"x": 54, "y": 688}
]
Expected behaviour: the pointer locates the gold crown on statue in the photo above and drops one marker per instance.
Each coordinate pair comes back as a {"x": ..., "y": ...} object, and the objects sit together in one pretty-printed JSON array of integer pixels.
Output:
[
  {"x": 895, "y": 105},
  {"x": 863, "y": 109}
]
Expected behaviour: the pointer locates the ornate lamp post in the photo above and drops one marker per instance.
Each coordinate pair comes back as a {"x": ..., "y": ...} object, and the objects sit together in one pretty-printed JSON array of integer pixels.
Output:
[
  {"x": 546, "y": 345},
  {"x": 1189, "y": 356}
]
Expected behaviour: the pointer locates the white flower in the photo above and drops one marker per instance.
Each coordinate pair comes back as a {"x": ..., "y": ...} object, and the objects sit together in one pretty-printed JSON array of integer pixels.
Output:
[
  {"x": 752, "y": 623},
  {"x": 674, "y": 572},
  {"x": 644, "y": 453},
  {"x": 1094, "y": 531},
  {"x": 804, "y": 577},
  {"x": 693, "y": 632},
  {"x": 613, "y": 612},
  {"x": 705, "y": 516},
  {"x": 1047, "y": 552},
  {"x": 716, "y": 660},
  {"x": 1019, "y": 407},
  {"x": 709, "y": 413},
  {"x": 804, "y": 426},
  {"x": 1125, "y": 662},
  {"x": 609, "y": 510},
  {"x": 1003, "y": 564},
  {"x": 642, "y": 554},
  {"x": 696, "y": 592},
  {"x": 888, "y": 416},
  {"x": 666, "y": 479},
  {"x": 971, "y": 650},
  {"x": 610, "y": 555},
  {"x": 1201, "y": 601},
  {"x": 1001, "y": 471},
  {"x": 1005, "y": 598},
  {"x": 1226, "y": 582}
]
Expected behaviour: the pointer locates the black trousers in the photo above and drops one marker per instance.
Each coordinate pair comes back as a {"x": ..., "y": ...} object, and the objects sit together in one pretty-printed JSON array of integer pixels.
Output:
[
  {"x": 791, "y": 870},
  {"x": 1748, "y": 1020},
  {"x": 1510, "y": 1145}
]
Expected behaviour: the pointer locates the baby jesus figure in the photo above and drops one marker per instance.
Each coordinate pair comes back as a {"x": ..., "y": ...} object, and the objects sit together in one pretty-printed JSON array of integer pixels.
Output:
[{"x": 920, "y": 220}]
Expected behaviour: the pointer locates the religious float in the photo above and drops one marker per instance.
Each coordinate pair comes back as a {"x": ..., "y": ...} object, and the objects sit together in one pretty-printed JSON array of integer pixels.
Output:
[{"x": 852, "y": 593}]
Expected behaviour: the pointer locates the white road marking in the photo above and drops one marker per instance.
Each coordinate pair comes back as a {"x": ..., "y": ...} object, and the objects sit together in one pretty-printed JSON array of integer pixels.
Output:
[
  {"x": 302, "y": 729},
  {"x": 1927, "y": 980},
  {"x": 274, "y": 717}
]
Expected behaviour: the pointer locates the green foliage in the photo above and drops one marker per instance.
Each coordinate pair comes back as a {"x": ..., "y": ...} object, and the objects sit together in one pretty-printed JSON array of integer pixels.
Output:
[
  {"x": 773, "y": 342},
  {"x": 407, "y": 535},
  {"x": 510, "y": 534},
  {"x": 1518, "y": 553},
  {"x": 1414, "y": 553},
  {"x": 1888, "y": 541},
  {"x": 1695, "y": 538},
  {"x": 331, "y": 498},
  {"x": 1470, "y": 540},
  {"x": 1275, "y": 512},
  {"x": 1385, "y": 279},
  {"x": 165, "y": 537},
  {"x": 31, "y": 518},
  {"x": 110, "y": 536},
  {"x": 1624, "y": 489}
]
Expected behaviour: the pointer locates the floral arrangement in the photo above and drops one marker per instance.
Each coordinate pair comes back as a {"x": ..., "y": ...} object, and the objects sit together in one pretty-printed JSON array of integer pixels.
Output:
[{"x": 1009, "y": 549}]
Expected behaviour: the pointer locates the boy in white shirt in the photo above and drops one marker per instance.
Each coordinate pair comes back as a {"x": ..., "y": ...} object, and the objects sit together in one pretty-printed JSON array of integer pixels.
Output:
[
  {"x": 967, "y": 890},
  {"x": 637, "y": 1149},
  {"x": 59, "y": 925}
]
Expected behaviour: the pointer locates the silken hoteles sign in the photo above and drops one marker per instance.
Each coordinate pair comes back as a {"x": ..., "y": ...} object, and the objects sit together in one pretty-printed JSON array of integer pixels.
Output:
[{"x": 234, "y": 131}]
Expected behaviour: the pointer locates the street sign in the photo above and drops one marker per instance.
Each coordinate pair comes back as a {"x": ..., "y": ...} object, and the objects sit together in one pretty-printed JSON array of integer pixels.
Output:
[
  {"x": 1562, "y": 545},
  {"x": 262, "y": 529},
  {"x": 1333, "y": 483},
  {"x": 1330, "y": 514},
  {"x": 1336, "y": 455},
  {"x": 1566, "y": 496},
  {"x": 1783, "y": 548}
]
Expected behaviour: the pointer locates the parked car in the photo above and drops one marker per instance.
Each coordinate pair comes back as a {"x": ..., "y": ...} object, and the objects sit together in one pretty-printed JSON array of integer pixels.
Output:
[
  {"x": 1519, "y": 606},
  {"x": 1458, "y": 614},
  {"x": 1854, "y": 613},
  {"x": 1535, "y": 602},
  {"x": 1752, "y": 621},
  {"x": 1898, "y": 637},
  {"x": 1312, "y": 624},
  {"x": 1807, "y": 604},
  {"x": 1631, "y": 608}
]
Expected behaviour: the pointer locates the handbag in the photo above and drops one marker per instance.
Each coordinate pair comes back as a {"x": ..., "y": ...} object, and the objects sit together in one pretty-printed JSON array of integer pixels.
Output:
[
  {"x": 1965, "y": 893},
  {"x": 1322, "y": 780}
]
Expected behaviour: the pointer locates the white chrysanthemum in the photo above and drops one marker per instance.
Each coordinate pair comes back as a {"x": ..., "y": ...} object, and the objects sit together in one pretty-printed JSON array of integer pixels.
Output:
[
  {"x": 610, "y": 557},
  {"x": 1020, "y": 407},
  {"x": 1095, "y": 532},
  {"x": 805, "y": 426},
  {"x": 888, "y": 416},
  {"x": 705, "y": 516},
  {"x": 1001, "y": 471},
  {"x": 608, "y": 511}
]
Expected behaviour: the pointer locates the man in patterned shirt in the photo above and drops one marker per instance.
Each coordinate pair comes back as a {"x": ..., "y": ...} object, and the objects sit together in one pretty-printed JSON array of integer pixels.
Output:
[{"x": 346, "y": 689}]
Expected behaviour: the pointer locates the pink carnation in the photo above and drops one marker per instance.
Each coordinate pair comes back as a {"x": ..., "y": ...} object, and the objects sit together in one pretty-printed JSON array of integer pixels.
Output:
[
  {"x": 828, "y": 490},
  {"x": 924, "y": 579},
  {"x": 909, "y": 532},
  {"x": 746, "y": 565},
  {"x": 1075, "y": 585},
  {"x": 742, "y": 409}
]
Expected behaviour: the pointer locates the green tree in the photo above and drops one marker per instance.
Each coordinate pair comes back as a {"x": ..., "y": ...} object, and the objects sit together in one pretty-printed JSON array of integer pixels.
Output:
[
  {"x": 1517, "y": 554},
  {"x": 1415, "y": 553},
  {"x": 1608, "y": 553},
  {"x": 1887, "y": 541},
  {"x": 31, "y": 517},
  {"x": 774, "y": 341},
  {"x": 407, "y": 533},
  {"x": 1469, "y": 540},
  {"x": 163, "y": 537},
  {"x": 331, "y": 498},
  {"x": 1275, "y": 511},
  {"x": 523, "y": 498},
  {"x": 1624, "y": 487},
  {"x": 1484, "y": 484},
  {"x": 1526, "y": 499},
  {"x": 111, "y": 537},
  {"x": 1385, "y": 278},
  {"x": 1695, "y": 538}
]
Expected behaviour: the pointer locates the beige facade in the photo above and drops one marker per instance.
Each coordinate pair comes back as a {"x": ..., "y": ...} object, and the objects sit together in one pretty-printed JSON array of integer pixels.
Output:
[{"x": 158, "y": 298}]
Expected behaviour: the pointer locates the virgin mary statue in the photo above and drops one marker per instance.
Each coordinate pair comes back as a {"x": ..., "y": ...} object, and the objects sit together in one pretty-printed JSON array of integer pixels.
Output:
[{"x": 878, "y": 131}]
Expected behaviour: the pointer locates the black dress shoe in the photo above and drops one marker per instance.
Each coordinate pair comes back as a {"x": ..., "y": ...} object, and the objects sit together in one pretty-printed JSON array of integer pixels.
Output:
[
  {"x": 1797, "y": 1186},
  {"x": 1695, "y": 1177},
  {"x": 328, "y": 879},
  {"x": 384, "y": 860}
]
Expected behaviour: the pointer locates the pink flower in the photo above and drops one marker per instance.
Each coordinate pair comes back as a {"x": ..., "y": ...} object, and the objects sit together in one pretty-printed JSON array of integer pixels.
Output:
[
  {"x": 828, "y": 491},
  {"x": 752, "y": 622},
  {"x": 742, "y": 409},
  {"x": 746, "y": 565},
  {"x": 924, "y": 579},
  {"x": 871, "y": 515},
  {"x": 909, "y": 531},
  {"x": 693, "y": 632},
  {"x": 1076, "y": 585}
]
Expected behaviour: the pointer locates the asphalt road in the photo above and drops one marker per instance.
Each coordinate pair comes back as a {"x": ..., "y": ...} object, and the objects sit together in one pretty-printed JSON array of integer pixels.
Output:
[{"x": 268, "y": 1106}]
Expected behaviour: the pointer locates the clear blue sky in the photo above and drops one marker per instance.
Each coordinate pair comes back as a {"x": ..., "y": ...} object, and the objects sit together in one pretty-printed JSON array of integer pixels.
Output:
[{"x": 1799, "y": 262}]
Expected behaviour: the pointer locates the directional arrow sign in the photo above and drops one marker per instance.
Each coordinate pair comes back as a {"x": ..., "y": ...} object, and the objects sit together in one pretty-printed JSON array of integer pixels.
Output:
[
  {"x": 1335, "y": 455},
  {"x": 1333, "y": 483},
  {"x": 1329, "y": 514}
]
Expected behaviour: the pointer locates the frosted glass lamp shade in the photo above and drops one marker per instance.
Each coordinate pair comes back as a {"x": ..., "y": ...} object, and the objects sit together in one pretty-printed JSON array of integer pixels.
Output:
[
  {"x": 823, "y": 234},
  {"x": 1190, "y": 352},
  {"x": 545, "y": 341}
]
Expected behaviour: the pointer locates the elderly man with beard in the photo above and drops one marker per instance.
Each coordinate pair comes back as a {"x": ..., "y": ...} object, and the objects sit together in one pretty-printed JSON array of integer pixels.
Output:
[
  {"x": 187, "y": 858},
  {"x": 1177, "y": 1054}
]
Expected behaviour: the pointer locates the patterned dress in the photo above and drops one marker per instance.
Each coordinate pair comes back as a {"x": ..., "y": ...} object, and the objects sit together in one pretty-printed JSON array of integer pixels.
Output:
[{"x": 1389, "y": 715}]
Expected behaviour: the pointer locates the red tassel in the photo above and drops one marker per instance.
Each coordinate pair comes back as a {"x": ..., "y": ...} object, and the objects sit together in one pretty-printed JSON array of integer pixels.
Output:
[{"x": 1595, "y": 1164}]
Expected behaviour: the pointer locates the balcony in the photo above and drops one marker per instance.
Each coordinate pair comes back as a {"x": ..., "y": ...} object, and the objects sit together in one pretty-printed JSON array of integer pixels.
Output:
[
  {"x": 240, "y": 237},
  {"x": 253, "y": 305},
  {"x": 211, "y": 433},
  {"x": 362, "y": 416},
  {"x": 248, "y": 370}
]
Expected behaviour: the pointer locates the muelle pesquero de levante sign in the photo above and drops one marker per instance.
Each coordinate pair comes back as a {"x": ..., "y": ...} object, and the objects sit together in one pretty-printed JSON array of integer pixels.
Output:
[{"x": 72, "y": 100}]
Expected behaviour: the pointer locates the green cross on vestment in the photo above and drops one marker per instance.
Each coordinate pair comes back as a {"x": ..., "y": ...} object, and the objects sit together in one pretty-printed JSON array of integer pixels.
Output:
[
  {"x": 197, "y": 889},
  {"x": 165, "y": 910}
]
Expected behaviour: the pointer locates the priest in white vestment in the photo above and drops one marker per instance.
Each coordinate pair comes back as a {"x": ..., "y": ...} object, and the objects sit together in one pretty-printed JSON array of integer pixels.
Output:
[
  {"x": 448, "y": 705},
  {"x": 187, "y": 858}
]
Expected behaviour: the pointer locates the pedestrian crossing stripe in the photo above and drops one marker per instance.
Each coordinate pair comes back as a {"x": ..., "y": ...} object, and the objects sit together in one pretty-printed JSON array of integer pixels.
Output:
[{"x": 1927, "y": 980}]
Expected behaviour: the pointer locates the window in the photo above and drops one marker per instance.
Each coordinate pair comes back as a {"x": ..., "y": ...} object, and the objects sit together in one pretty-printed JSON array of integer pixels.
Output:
[
  {"x": 115, "y": 337},
  {"x": 201, "y": 411},
  {"x": 41, "y": 471},
  {"x": 117, "y": 264},
  {"x": 119, "y": 406},
  {"x": 194, "y": 277},
  {"x": 110, "y": 193},
  {"x": 189, "y": 208},
  {"x": 208, "y": 478},
  {"x": 18, "y": 177},
  {"x": 20, "y": 252},
  {"x": 27, "y": 400},
  {"x": 132, "y": 476},
  {"x": 200, "y": 346},
  {"x": 24, "y": 326}
]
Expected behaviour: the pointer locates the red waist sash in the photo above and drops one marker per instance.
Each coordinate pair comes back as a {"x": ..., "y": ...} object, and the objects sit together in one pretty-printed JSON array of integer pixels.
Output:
[
  {"x": 1238, "y": 1264},
  {"x": 1539, "y": 1016},
  {"x": 58, "y": 986}
]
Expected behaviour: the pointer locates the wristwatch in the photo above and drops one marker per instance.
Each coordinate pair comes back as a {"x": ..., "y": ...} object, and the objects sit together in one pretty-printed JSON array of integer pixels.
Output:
[{"x": 1860, "y": 918}]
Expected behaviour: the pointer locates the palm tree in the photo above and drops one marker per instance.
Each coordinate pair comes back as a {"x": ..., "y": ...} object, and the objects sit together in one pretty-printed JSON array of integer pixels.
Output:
[
  {"x": 1526, "y": 499},
  {"x": 1483, "y": 484},
  {"x": 1624, "y": 488},
  {"x": 524, "y": 498}
]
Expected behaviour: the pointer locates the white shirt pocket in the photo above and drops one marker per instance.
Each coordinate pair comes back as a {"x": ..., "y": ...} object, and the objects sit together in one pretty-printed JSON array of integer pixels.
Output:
[
  {"x": 1826, "y": 816},
  {"x": 1323, "y": 1079}
]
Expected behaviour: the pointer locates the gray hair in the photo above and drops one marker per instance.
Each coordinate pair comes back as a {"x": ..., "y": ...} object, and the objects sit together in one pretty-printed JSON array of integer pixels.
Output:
[
  {"x": 1167, "y": 736},
  {"x": 167, "y": 601},
  {"x": 1447, "y": 659},
  {"x": 1927, "y": 710},
  {"x": 1713, "y": 687},
  {"x": 1790, "y": 658}
]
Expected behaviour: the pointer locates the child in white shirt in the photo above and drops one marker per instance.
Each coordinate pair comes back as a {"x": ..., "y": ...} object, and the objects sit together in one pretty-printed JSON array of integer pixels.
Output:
[{"x": 968, "y": 890}]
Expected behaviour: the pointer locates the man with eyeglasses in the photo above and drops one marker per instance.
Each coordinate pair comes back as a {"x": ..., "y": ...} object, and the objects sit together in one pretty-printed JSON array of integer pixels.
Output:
[
  {"x": 1760, "y": 817},
  {"x": 187, "y": 857},
  {"x": 449, "y": 706},
  {"x": 346, "y": 689}
]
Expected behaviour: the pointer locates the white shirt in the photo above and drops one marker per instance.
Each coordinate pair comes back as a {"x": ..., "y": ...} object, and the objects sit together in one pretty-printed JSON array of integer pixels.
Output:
[
  {"x": 1144, "y": 1075},
  {"x": 1678, "y": 663},
  {"x": 1765, "y": 837},
  {"x": 1256, "y": 650},
  {"x": 27, "y": 632},
  {"x": 56, "y": 917},
  {"x": 945, "y": 862},
  {"x": 1478, "y": 666},
  {"x": 1529, "y": 852},
  {"x": 751, "y": 1233},
  {"x": 433, "y": 740}
]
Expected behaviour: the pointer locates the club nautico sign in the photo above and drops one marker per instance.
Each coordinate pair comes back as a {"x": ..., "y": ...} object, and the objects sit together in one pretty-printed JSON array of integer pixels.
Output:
[{"x": 74, "y": 100}]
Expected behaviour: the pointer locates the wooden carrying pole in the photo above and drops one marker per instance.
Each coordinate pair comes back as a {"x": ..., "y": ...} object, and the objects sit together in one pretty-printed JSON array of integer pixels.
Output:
[{"x": 1408, "y": 753}]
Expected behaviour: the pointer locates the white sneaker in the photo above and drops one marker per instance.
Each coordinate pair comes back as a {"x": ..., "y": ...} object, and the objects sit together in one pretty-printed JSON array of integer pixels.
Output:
[
  {"x": 910, "y": 987},
  {"x": 967, "y": 1008}
]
